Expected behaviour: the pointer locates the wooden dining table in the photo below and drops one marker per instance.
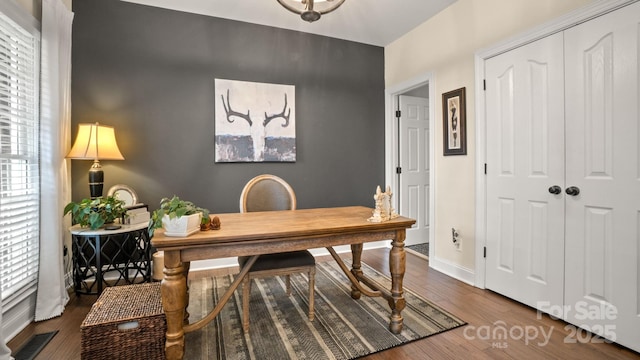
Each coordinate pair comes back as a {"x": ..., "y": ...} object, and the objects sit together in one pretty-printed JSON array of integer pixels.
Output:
[{"x": 255, "y": 233}]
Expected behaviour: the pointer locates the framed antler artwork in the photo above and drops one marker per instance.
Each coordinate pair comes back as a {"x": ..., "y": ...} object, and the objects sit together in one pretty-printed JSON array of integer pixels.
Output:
[{"x": 254, "y": 122}]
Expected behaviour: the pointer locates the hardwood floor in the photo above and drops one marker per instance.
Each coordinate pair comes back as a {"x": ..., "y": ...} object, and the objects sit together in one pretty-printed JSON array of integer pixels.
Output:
[{"x": 484, "y": 311}]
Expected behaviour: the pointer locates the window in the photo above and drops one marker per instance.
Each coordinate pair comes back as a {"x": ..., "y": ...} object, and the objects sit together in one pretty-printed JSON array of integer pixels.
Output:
[{"x": 19, "y": 164}]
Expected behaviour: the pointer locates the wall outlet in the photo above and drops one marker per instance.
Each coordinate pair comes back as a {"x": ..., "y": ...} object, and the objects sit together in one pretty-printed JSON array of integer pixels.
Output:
[{"x": 455, "y": 237}]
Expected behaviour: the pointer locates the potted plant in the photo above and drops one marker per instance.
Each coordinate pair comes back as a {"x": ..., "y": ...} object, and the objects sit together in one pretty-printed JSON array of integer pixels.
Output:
[
  {"x": 178, "y": 217},
  {"x": 94, "y": 213}
]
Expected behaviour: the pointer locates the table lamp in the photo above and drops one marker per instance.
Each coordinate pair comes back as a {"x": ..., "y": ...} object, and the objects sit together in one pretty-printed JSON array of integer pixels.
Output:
[{"x": 95, "y": 142}]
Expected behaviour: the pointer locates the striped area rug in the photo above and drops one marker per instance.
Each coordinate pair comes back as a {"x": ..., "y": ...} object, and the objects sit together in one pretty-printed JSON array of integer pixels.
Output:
[{"x": 279, "y": 328}]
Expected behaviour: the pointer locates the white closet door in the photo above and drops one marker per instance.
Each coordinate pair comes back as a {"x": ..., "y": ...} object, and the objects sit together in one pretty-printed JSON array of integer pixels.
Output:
[
  {"x": 602, "y": 272},
  {"x": 525, "y": 157}
]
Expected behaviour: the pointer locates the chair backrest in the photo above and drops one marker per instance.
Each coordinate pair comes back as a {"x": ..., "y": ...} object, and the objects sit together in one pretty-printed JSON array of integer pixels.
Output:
[{"x": 267, "y": 193}]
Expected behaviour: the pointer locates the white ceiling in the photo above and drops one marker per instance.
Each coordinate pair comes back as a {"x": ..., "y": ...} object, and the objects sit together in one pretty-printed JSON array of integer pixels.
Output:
[{"x": 375, "y": 22}]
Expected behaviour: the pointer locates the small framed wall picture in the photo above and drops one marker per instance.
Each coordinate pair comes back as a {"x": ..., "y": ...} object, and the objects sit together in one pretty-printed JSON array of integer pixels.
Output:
[{"x": 454, "y": 117}]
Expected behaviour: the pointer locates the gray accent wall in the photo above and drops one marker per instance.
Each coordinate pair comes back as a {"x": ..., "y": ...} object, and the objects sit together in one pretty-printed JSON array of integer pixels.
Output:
[{"x": 149, "y": 72}]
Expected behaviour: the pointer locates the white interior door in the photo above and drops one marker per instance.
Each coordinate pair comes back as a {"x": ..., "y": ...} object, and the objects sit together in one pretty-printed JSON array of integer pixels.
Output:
[
  {"x": 414, "y": 161},
  {"x": 525, "y": 160},
  {"x": 603, "y": 221}
]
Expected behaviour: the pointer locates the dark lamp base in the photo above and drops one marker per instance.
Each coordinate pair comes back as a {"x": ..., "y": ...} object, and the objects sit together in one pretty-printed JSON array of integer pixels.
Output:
[{"x": 96, "y": 182}]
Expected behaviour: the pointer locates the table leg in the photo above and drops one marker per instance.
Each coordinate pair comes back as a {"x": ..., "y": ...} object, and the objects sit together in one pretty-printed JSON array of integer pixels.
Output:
[
  {"x": 356, "y": 268},
  {"x": 397, "y": 266},
  {"x": 98, "y": 252},
  {"x": 186, "y": 265},
  {"x": 174, "y": 293}
]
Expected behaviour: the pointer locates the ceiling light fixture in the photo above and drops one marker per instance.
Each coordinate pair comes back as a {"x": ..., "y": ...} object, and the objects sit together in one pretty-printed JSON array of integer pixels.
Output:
[{"x": 311, "y": 10}]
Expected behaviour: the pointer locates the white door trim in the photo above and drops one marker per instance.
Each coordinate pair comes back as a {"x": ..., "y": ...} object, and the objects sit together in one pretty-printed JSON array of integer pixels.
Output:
[
  {"x": 391, "y": 142},
  {"x": 562, "y": 23}
]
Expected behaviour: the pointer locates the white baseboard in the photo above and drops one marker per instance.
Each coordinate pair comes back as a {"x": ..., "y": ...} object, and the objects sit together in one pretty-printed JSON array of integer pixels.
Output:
[
  {"x": 454, "y": 270},
  {"x": 347, "y": 248},
  {"x": 232, "y": 261},
  {"x": 213, "y": 264},
  {"x": 420, "y": 255},
  {"x": 19, "y": 316}
]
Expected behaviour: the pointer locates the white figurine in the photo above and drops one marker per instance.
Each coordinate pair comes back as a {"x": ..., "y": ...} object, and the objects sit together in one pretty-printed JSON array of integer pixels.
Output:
[{"x": 384, "y": 210}]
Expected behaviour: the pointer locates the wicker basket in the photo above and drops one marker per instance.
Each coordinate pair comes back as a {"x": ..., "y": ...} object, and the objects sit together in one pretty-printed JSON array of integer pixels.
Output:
[{"x": 126, "y": 322}]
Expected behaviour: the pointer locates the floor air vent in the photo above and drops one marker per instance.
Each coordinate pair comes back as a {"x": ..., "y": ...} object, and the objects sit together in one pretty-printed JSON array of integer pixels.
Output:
[{"x": 29, "y": 350}]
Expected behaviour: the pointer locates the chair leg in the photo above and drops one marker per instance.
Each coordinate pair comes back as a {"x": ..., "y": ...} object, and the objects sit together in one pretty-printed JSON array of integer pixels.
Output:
[
  {"x": 312, "y": 286},
  {"x": 246, "y": 291},
  {"x": 288, "y": 281}
]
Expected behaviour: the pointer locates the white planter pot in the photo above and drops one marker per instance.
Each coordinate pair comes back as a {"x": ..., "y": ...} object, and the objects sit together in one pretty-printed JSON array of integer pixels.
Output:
[{"x": 181, "y": 226}]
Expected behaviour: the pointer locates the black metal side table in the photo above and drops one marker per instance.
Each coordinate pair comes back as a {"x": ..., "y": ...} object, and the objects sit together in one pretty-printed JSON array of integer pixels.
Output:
[{"x": 110, "y": 257}]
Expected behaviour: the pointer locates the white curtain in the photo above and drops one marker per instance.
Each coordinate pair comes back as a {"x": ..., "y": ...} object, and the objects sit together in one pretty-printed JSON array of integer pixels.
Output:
[{"x": 55, "y": 131}]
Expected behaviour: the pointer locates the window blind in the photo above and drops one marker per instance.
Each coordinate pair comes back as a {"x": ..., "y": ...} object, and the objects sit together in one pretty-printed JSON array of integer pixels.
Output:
[{"x": 19, "y": 158}]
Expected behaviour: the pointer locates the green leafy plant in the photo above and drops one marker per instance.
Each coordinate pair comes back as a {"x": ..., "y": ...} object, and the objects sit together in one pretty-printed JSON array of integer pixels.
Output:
[
  {"x": 94, "y": 213},
  {"x": 174, "y": 208}
]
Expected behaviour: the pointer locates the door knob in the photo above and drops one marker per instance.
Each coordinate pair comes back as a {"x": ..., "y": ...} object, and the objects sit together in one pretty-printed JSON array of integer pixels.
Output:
[
  {"x": 572, "y": 190},
  {"x": 555, "y": 190}
]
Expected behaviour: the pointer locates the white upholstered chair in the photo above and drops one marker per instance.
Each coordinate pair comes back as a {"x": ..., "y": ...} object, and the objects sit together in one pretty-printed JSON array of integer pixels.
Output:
[{"x": 269, "y": 193}]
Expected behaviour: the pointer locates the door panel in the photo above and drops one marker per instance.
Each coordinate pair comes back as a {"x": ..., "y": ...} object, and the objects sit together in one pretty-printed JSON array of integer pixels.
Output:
[
  {"x": 539, "y": 124},
  {"x": 525, "y": 156},
  {"x": 538, "y": 213},
  {"x": 507, "y": 237},
  {"x": 602, "y": 161},
  {"x": 598, "y": 71},
  {"x": 597, "y": 246},
  {"x": 414, "y": 160}
]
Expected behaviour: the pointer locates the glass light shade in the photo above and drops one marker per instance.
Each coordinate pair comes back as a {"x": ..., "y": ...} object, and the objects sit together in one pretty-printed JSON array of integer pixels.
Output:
[
  {"x": 95, "y": 142},
  {"x": 311, "y": 10}
]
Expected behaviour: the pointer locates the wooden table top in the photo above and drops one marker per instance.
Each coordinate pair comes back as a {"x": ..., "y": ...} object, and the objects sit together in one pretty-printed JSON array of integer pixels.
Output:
[{"x": 274, "y": 225}]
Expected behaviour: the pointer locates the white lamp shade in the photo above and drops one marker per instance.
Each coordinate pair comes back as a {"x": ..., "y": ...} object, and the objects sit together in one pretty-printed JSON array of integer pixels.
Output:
[{"x": 95, "y": 142}]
